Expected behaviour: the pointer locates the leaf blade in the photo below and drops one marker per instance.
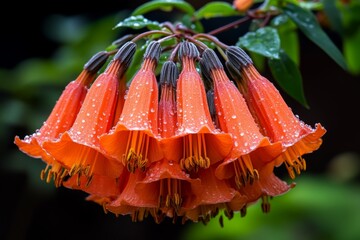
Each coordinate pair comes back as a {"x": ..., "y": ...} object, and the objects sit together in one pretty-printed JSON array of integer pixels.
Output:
[
  {"x": 165, "y": 5},
  {"x": 264, "y": 41},
  {"x": 288, "y": 76},
  {"x": 216, "y": 9},
  {"x": 308, "y": 24},
  {"x": 138, "y": 22}
]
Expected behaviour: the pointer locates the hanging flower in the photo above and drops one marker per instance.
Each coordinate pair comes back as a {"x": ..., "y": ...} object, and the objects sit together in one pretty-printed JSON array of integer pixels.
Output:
[
  {"x": 137, "y": 127},
  {"x": 61, "y": 119},
  {"x": 242, "y": 5},
  {"x": 78, "y": 149},
  {"x": 274, "y": 116},
  {"x": 201, "y": 144},
  {"x": 250, "y": 147}
]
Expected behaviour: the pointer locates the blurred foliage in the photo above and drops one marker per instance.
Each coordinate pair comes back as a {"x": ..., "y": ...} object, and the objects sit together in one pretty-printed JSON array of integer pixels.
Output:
[{"x": 320, "y": 209}]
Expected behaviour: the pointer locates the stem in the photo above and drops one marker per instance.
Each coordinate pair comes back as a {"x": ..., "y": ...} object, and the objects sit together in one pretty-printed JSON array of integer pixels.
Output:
[
  {"x": 211, "y": 38},
  {"x": 229, "y": 26},
  {"x": 145, "y": 34}
]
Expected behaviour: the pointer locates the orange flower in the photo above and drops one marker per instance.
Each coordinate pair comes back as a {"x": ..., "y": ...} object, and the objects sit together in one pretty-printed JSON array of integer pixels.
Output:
[
  {"x": 61, "y": 119},
  {"x": 201, "y": 144},
  {"x": 242, "y": 5},
  {"x": 250, "y": 148},
  {"x": 212, "y": 196},
  {"x": 78, "y": 149},
  {"x": 137, "y": 127},
  {"x": 274, "y": 116},
  {"x": 101, "y": 188},
  {"x": 165, "y": 187}
]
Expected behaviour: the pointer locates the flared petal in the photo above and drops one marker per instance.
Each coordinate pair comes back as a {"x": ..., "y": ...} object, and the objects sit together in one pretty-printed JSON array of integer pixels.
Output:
[
  {"x": 78, "y": 149},
  {"x": 212, "y": 196},
  {"x": 60, "y": 119},
  {"x": 101, "y": 186}
]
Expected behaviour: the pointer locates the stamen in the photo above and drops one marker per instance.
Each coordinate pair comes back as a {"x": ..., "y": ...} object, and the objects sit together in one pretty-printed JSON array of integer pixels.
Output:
[
  {"x": 294, "y": 163},
  {"x": 265, "y": 205},
  {"x": 244, "y": 171},
  {"x": 194, "y": 153},
  {"x": 137, "y": 149},
  {"x": 56, "y": 172},
  {"x": 243, "y": 211},
  {"x": 171, "y": 188}
]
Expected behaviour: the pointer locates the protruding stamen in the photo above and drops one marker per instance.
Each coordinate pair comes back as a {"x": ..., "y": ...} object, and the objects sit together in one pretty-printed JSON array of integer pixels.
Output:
[
  {"x": 55, "y": 172},
  {"x": 244, "y": 171},
  {"x": 265, "y": 205},
  {"x": 136, "y": 151},
  {"x": 294, "y": 163},
  {"x": 194, "y": 153},
  {"x": 243, "y": 211},
  {"x": 170, "y": 190}
]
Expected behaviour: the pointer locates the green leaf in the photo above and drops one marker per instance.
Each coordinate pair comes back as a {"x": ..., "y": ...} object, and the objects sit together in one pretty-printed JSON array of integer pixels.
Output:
[
  {"x": 288, "y": 76},
  {"x": 138, "y": 22},
  {"x": 333, "y": 15},
  {"x": 164, "y": 5},
  {"x": 308, "y": 24},
  {"x": 216, "y": 9},
  {"x": 352, "y": 52},
  {"x": 264, "y": 41},
  {"x": 289, "y": 40}
]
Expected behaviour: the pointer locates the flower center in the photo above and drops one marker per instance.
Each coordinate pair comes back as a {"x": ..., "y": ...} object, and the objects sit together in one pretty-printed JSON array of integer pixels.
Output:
[
  {"x": 170, "y": 190},
  {"x": 244, "y": 171},
  {"x": 137, "y": 148},
  {"x": 56, "y": 171},
  {"x": 85, "y": 163},
  {"x": 294, "y": 163},
  {"x": 194, "y": 152}
]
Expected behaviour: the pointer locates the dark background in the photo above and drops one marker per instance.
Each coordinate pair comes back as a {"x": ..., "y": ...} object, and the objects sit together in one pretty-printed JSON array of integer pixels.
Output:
[{"x": 331, "y": 92}]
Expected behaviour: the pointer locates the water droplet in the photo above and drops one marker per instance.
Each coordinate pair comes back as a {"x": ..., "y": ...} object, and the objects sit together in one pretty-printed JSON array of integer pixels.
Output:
[
  {"x": 152, "y": 110},
  {"x": 233, "y": 116}
]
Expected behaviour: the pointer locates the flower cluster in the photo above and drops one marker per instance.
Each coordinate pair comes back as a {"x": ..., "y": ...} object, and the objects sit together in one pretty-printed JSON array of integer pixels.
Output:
[{"x": 189, "y": 142}]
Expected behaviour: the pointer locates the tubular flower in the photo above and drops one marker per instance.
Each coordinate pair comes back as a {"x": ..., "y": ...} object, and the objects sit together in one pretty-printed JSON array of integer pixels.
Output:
[
  {"x": 274, "y": 116},
  {"x": 137, "y": 127},
  {"x": 61, "y": 119},
  {"x": 202, "y": 144},
  {"x": 242, "y": 5},
  {"x": 250, "y": 147},
  {"x": 78, "y": 149}
]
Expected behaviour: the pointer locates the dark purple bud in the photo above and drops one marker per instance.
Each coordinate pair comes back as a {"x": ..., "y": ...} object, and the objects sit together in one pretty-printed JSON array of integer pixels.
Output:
[
  {"x": 96, "y": 62},
  {"x": 238, "y": 57},
  {"x": 153, "y": 51},
  {"x": 188, "y": 49},
  {"x": 169, "y": 74}
]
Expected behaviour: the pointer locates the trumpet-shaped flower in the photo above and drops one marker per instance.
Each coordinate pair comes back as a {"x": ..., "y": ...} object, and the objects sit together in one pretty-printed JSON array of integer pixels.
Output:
[
  {"x": 137, "y": 128},
  {"x": 201, "y": 144},
  {"x": 274, "y": 116},
  {"x": 78, "y": 149},
  {"x": 250, "y": 147},
  {"x": 61, "y": 119}
]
